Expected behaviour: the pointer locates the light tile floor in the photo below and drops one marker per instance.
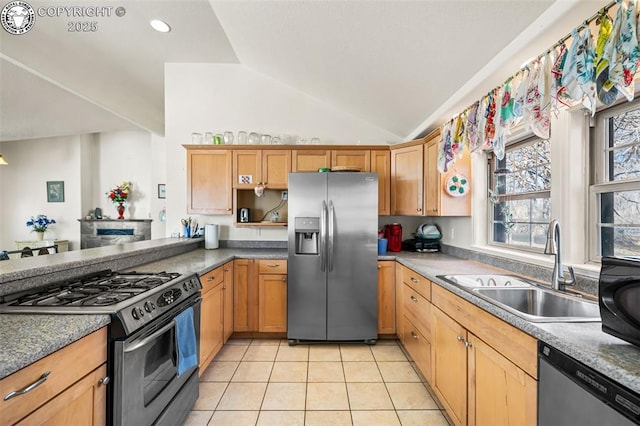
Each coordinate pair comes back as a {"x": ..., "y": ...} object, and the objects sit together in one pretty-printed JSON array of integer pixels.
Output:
[{"x": 268, "y": 382}]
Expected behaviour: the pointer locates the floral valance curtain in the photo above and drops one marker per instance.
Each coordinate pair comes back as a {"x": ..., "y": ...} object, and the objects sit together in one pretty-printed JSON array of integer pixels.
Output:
[{"x": 589, "y": 70}]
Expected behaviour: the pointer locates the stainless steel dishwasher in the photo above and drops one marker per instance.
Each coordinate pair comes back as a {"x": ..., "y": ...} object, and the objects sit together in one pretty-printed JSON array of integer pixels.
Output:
[{"x": 570, "y": 393}]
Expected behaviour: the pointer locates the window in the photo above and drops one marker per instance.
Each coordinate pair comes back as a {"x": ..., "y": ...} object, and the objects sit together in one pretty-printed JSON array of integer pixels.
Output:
[
  {"x": 519, "y": 198},
  {"x": 616, "y": 182}
]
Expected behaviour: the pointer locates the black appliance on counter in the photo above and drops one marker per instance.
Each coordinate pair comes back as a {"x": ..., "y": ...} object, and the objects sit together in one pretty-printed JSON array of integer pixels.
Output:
[
  {"x": 421, "y": 245},
  {"x": 619, "y": 298},
  {"x": 145, "y": 387}
]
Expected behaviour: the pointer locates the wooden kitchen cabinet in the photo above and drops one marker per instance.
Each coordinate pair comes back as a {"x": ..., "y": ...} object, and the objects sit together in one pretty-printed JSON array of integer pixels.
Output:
[
  {"x": 260, "y": 295},
  {"x": 399, "y": 285},
  {"x": 267, "y": 167},
  {"x": 310, "y": 160},
  {"x": 416, "y": 314},
  {"x": 437, "y": 201},
  {"x": 386, "y": 297},
  {"x": 449, "y": 379},
  {"x": 272, "y": 297},
  {"x": 484, "y": 370},
  {"x": 360, "y": 159},
  {"x": 73, "y": 393},
  {"x": 209, "y": 181},
  {"x": 407, "y": 180},
  {"x": 227, "y": 288},
  {"x": 501, "y": 394},
  {"x": 211, "y": 316},
  {"x": 381, "y": 164},
  {"x": 245, "y": 295}
]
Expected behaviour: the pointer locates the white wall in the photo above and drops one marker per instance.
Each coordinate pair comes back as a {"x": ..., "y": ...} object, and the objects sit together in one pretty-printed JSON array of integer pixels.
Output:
[
  {"x": 221, "y": 97},
  {"x": 124, "y": 156},
  {"x": 89, "y": 165},
  {"x": 23, "y": 191}
]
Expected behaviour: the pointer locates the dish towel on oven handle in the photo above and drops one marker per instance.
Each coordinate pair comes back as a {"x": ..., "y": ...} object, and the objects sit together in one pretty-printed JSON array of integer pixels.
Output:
[{"x": 186, "y": 341}]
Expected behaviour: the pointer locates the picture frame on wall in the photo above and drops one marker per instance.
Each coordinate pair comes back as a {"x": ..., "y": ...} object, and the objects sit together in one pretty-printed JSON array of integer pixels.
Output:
[
  {"x": 162, "y": 190},
  {"x": 55, "y": 191}
]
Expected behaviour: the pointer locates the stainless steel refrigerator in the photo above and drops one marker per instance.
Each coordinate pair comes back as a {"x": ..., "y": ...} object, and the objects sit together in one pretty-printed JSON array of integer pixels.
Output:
[{"x": 332, "y": 257}]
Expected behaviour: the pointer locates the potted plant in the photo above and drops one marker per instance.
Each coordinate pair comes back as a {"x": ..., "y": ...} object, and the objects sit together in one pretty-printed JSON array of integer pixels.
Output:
[
  {"x": 120, "y": 195},
  {"x": 39, "y": 224}
]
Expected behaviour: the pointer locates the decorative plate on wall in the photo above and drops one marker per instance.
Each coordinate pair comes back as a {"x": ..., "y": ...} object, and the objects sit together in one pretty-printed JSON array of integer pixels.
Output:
[{"x": 457, "y": 185}]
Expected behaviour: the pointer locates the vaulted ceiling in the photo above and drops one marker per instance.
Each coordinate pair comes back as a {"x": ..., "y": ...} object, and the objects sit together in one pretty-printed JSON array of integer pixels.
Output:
[{"x": 403, "y": 65}]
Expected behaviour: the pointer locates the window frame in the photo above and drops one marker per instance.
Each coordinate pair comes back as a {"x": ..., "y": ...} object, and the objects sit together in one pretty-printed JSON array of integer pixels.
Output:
[
  {"x": 521, "y": 141},
  {"x": 599, "y": 182}
]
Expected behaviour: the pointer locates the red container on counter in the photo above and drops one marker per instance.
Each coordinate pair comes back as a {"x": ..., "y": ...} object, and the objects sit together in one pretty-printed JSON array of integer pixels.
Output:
[{"x": 393, "y": 233}]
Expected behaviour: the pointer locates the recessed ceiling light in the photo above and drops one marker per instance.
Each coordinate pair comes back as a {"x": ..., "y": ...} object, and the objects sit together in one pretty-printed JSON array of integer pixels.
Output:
[{"x": 160, "y": 26}]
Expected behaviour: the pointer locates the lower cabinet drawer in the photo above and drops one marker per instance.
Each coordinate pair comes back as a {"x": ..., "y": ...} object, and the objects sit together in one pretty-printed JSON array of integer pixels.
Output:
[
  {"x": 212, "y": 278},
  {"x": 277, "y": 266},
  {"x": 56, "y": 372},
  {"x": 418, "y": 309},
  {"x": 418, "y": 347}
]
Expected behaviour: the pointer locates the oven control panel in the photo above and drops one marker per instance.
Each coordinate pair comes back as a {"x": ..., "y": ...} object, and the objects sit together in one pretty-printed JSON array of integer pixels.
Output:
[{"x": 147, "y": 309}]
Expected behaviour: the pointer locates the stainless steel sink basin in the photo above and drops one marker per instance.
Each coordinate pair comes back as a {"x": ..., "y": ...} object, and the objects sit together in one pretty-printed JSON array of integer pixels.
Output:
[
  {"x": 537, "y": 304},
  {"x": 488, "y": 280}
]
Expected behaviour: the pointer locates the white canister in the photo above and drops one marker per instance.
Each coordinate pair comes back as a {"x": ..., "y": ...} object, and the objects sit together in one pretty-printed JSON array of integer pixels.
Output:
[{"x": 211, "y": 236}]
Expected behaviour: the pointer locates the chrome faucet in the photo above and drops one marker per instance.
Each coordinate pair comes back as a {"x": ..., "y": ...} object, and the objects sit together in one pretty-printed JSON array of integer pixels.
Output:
[{"x": 558, "y": 281}]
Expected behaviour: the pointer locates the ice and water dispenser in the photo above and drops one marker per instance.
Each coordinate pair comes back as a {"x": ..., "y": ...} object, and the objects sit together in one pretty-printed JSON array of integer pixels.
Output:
[{"x": 307, "y": 231}]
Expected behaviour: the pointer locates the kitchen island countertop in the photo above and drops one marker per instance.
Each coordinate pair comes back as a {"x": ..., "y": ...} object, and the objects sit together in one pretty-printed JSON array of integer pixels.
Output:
[{"x": 583, "y": 341}]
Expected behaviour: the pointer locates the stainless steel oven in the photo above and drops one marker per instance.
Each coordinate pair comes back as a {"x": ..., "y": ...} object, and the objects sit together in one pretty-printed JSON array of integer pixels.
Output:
[
  {"x": 142, "y": 359},
  {"x": 146, "y": 387}
]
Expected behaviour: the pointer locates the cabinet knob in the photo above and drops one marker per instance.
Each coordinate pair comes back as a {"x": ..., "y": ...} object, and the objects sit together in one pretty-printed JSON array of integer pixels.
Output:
[
  {"x": 273, "y": 265},
  {"x": 414, "y": 335},
  {"x": 419, "y": 209},
  {"x": 379, "y": 267},
  {"x": 284, "y": 279},
  {"x": 459, "y": 339},
  {"x": 209, "y": 279},
  {"x": 415, "y": 299},
  {"x": 467, "y": 344},
  {"x": 414, "y": 280},
  {"x": 104, "y": 380}
]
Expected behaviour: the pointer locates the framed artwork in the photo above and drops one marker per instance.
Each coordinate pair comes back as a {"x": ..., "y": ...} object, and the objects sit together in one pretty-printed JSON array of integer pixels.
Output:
[
  {"x": 162, "y": 190},
  {"x": 55, "y": 191}
]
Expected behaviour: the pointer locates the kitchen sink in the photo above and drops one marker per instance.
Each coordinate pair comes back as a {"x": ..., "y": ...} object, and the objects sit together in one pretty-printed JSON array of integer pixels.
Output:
[
  {"x": 488, "y": 280},
  {"x": 537, "y": 304}
]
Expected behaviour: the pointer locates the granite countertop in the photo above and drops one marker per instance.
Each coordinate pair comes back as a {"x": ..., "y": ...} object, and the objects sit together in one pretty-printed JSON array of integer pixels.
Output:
[{"x": 31, "y": 338}]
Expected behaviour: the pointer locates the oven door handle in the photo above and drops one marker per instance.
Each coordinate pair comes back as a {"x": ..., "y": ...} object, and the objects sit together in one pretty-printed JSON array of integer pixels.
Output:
[{"x": 147, "y": 339}]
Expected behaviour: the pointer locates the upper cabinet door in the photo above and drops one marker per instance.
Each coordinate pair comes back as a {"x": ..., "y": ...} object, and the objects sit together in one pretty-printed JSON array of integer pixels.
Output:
[
  {"x": 247, "y": 167},
  {"x": 381, "y": 164},
  {"x": 407, "y": 180},
  {"x": 309, "y": 160},
  {"x": 438, "y": 202},
  {"x": 209, "y": 181},
  {"x": 360, "y": 159},
  {"x": 276, "y": 165}
]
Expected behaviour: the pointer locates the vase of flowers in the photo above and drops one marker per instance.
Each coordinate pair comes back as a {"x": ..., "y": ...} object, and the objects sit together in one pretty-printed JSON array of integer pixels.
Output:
[
  {"x": 39, "y": 225},
  {"x": 120, "y": 195}
]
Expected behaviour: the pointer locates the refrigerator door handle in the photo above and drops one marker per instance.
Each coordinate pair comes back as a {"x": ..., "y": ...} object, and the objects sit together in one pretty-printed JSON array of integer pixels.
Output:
[
  {"x": 331, "y": 236},
  {"x": 323, "y": 237}
]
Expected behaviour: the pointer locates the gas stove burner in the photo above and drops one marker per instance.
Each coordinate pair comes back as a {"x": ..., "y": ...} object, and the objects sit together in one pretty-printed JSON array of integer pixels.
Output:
[{"x": 107, "y": 299}]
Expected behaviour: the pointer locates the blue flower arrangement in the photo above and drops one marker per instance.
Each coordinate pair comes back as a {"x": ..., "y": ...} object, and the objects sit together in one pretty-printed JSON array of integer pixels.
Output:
[{"x": 40, "y": 223}]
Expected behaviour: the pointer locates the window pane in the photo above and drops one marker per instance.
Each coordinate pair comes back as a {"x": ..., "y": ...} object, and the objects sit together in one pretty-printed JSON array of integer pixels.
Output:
[
  {"x": 625, "y": 127},
  {"x": 620, "y": 223},
  {"x": 626, "y": 162},
  {"x": 521, "y": 184}
]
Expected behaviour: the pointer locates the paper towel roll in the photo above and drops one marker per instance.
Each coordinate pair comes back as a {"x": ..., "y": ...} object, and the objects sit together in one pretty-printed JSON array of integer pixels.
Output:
[{"x": 211, "y": 236}]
